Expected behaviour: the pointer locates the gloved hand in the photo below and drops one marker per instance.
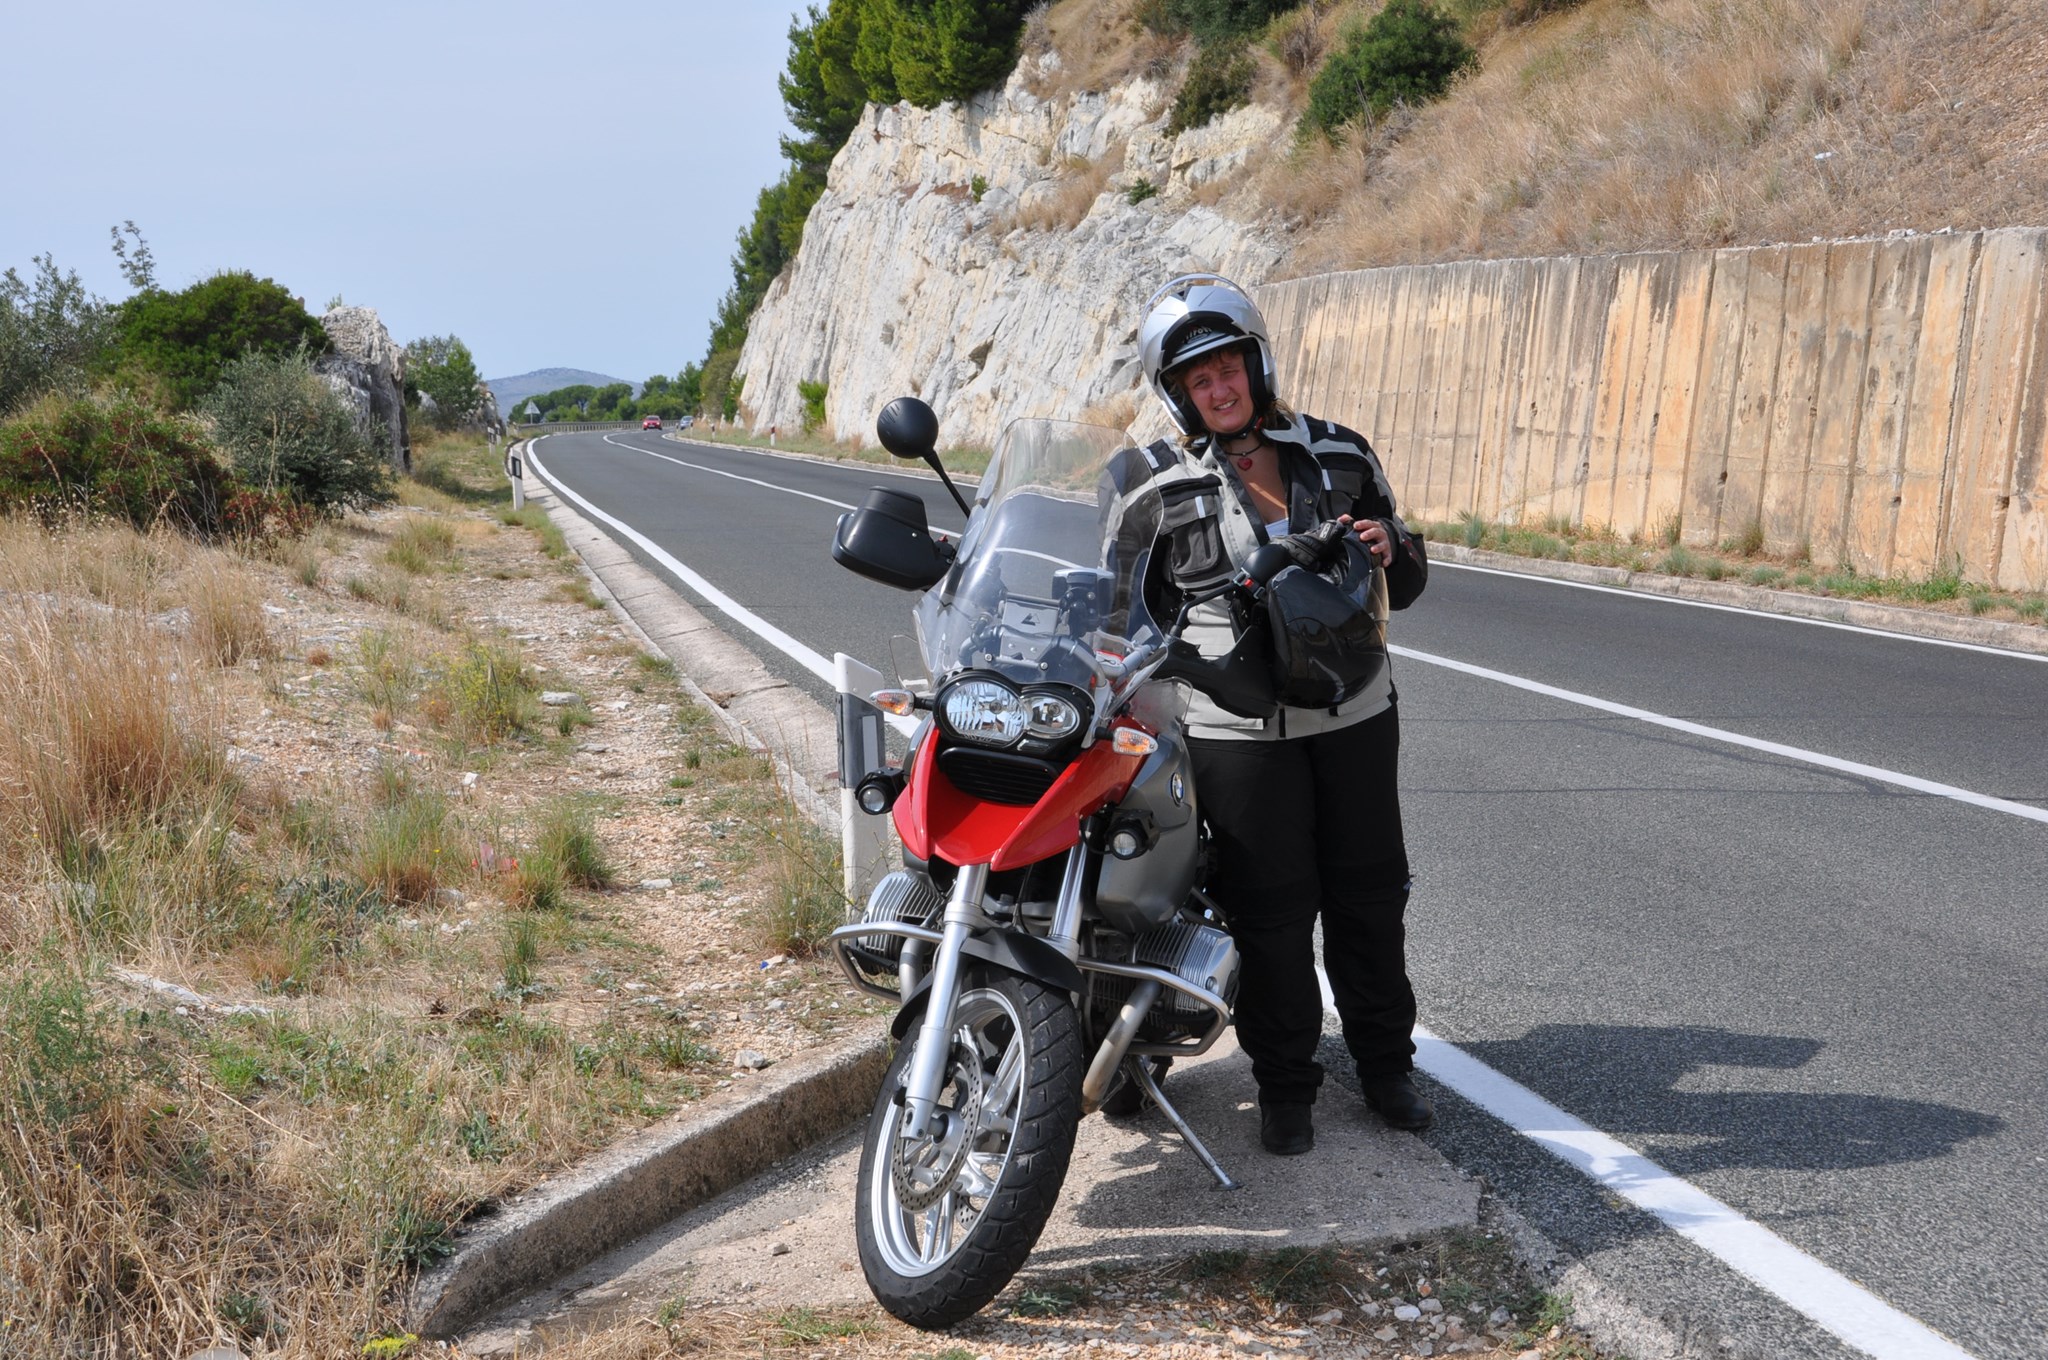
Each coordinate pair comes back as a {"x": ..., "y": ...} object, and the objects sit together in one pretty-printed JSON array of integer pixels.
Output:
[{"x": 1316, "y": 548}]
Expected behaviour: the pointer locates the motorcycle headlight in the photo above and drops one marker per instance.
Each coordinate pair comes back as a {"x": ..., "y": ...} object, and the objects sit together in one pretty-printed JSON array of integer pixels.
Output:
[
  {"x": 984, "y": 711},
  {"x": 1050, "y": 717}
]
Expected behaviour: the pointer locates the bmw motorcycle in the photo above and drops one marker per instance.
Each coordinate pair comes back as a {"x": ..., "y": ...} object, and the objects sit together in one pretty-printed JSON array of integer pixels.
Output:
[{"x": 1047, "y": 938}]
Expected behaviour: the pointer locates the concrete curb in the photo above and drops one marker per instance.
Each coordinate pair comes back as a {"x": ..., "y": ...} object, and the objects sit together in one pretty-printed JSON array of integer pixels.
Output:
[
  {"x": 1886, "y": 618},
  {"x": 639, "y": 1184}
]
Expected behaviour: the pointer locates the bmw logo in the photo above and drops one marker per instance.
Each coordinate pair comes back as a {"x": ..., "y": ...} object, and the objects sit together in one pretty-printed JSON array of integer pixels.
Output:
[{"x": 1178, "y": 788}]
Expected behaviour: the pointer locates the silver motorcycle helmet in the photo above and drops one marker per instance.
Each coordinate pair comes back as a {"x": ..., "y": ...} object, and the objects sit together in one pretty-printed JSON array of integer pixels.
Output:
[{"x": 1194, "y": 315}]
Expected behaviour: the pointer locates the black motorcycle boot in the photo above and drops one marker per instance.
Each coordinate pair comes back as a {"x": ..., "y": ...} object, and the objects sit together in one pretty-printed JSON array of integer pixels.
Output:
[
  {"x": 1393, "y": 1097},
  {"x": 1286, "y": 1130}
]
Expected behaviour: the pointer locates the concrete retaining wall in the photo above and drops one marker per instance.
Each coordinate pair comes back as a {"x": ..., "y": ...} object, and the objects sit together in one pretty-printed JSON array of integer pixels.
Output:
[{"x": 1881, "y": 403}]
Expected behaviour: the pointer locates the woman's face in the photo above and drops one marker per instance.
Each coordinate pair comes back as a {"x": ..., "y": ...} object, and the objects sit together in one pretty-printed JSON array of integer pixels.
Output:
[{"x": 1217, "y": 385}]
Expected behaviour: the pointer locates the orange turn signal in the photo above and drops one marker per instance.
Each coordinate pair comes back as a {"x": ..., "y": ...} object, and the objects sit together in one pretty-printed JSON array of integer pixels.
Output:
[
  {"x": 1132, "y": 741},
  {"x": 901, "y": 702}
]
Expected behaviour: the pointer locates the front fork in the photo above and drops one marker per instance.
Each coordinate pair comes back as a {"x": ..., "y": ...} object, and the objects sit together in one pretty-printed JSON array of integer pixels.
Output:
[
  {"x": 935, "y": 1039},
  {"x": 963, "y": 913}
]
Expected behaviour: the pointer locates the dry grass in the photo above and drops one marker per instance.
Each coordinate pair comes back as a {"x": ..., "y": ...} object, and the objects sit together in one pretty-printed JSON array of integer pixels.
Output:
[
  {"x": 1099, "y": 44},
  {"x": 1062, "y": 202},
  {"x": 225, "y": 605},
  {"x": 174, "y": 1179},
  {"x": 1686, "y": 123}
]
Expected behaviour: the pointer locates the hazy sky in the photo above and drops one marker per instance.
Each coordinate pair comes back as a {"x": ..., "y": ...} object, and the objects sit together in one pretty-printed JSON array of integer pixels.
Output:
[{"x": 556, "y": 184}]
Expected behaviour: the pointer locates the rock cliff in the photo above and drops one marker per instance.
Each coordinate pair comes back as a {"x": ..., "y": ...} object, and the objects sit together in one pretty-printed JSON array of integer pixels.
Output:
[
  {"x": 990, "y": 258},
  {"x": 368, "y": 370}
]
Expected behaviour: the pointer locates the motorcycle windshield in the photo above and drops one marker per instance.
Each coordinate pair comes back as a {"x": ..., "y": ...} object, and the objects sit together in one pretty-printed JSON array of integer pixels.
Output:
[{"x": 1034, "y": 595}]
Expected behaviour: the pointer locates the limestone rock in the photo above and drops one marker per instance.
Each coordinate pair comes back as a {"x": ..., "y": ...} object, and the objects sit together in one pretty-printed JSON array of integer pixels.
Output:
[
  {"x": 368, "y": 370},
  {"x": 995, "y": 309}
]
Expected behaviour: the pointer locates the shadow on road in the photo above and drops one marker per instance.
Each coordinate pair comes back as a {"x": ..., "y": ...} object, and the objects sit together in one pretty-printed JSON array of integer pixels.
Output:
[{"x": 1697, "y": 1130}]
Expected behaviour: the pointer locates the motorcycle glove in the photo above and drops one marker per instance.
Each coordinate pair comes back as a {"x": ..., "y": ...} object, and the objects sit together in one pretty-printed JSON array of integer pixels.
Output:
[{"x": 1316, "y": 548}]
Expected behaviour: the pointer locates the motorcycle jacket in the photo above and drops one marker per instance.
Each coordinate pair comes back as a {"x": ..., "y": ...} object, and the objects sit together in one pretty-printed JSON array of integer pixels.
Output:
[{"x": 1208, "y": 532}]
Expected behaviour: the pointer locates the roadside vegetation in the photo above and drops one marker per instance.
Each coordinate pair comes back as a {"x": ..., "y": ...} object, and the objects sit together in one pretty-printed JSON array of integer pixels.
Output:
[
  {"x": 1740, "y": 561},
  {"x": 312, "y": 940}
]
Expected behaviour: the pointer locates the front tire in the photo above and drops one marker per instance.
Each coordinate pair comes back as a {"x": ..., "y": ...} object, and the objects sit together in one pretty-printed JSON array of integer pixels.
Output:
[{"x": 944, "y": 1221}]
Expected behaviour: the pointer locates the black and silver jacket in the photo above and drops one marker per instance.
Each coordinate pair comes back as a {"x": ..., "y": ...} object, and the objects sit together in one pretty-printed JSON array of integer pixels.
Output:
[{"x": 1209, "y": 530}]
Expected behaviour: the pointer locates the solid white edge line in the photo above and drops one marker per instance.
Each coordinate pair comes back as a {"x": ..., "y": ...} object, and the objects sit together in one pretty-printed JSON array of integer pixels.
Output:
[
  {"x": 1803, "y": 1282},
  {"x": 1816, "y": 758},
  {"x": 712, "y": 595},
  {"x": 1834, "y": 1302},
  {"x": 1655, "y": 598},
  {"x": 755, "y": 481}
]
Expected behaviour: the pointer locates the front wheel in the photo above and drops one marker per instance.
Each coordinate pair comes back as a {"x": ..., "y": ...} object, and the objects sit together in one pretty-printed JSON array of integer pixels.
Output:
[{"x": 944, "y": 1221}]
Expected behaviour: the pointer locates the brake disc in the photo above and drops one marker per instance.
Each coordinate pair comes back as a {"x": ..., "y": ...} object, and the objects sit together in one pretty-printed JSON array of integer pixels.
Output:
[{"x": 946, "y": 1154}]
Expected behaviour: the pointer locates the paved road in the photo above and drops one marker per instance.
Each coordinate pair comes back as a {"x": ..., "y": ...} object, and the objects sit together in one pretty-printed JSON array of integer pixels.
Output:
[{"x": 1815, "y": 994}]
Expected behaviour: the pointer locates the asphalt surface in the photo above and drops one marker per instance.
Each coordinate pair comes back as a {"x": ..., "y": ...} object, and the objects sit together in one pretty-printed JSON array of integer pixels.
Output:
[{"x": 1816, "y": 996}]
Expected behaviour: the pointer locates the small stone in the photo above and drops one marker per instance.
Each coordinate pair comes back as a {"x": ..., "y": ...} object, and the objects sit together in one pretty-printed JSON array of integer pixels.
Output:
[
  {"x": 778, "y": 1004},
  {"x": 748, "y": 1058},
  {"x": 1531, "y": 1354},
  {"x": 1325, "y": 1319},
  {"x": 558, "y": 698},
  {"x": 1454, "y": 1330},
  {"x": 1498, "y": 1316},
  {"x": 1431, "y": 1306},
  {"x": 617, "y": 705},
  {"x": 1406, "y": 1312},
  {"x": 779, "y": 1249},
  {"x": 1425, "y": 1348},
  {"x": 469, "y": 779},
  {"x": 448, "y": 897},
  {"x": 593, "y": 749},
  {"x": 1371, "y": 1309},
  {"x": 1387, "y": 1333},
  {"x": 656, "y": 884}
]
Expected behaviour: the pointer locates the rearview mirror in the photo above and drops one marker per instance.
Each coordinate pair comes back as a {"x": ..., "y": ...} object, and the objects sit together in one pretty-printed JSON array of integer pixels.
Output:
[{"x": 909, "y": 429}]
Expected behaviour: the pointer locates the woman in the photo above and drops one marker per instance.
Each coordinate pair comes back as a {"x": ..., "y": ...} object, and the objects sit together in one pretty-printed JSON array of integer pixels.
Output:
[{"x": 1302, "y": 806}]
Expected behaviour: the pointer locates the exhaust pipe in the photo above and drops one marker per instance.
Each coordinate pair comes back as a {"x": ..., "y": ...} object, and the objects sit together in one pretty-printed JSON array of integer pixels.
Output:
[{"x": 1102, "y": 1071}]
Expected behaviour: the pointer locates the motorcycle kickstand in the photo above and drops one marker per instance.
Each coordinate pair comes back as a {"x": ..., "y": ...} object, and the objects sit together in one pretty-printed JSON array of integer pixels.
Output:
[{"x": 1143, "y": 1072}]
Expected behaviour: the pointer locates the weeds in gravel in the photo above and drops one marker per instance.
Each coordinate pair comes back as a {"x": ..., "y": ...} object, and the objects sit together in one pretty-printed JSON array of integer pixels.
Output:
[
  {"x": 228, "y": 624},
  {"x": 533, "y": 517},
  {"x": 422, "y": 544},
  {"x": 488, "y": 693},
  {"x": 399, "y": 851}
]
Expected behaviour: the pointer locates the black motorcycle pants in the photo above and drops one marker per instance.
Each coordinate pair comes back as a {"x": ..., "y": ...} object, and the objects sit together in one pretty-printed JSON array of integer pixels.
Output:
[{"x": 1308, "y": 827}]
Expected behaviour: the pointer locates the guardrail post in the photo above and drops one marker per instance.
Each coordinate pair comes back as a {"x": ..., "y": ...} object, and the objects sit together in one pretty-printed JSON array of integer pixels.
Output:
[
  {"x": 516, "y": 470},
  {"x": 863, "y": 840}
]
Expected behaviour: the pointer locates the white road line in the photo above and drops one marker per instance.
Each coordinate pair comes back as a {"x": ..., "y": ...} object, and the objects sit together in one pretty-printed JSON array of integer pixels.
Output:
[
  {"x": 755, "y": 481},
  {"x": 1738, "y": 609},
  {"x": 782, "y": 642},
  {"x": 1826, "y": 762},
  {"x": 1803, "y": 1282}
]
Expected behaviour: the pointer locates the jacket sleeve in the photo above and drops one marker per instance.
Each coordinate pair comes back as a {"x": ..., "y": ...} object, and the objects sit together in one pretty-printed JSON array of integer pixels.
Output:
[{"x": 1408, "y": 573}]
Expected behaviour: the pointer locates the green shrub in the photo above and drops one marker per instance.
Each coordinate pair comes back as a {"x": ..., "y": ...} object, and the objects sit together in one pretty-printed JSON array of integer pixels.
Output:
[
  {"x": 52, "y": 332},
  {"x": 1139, "y": 191},
  {"x": 978, "y": 186},
  {"x": 289, "y": 432},
  {"x": 119, "y": 457},
  {"x": 1407, "y": 53},
  {"x": 1219, "y": 79},
  {"x": 189, "y": 338},
  {"x": 1212, "y": 21},
  {"x": 945, "y": 49},
  {"x": 813, "y": 394}
]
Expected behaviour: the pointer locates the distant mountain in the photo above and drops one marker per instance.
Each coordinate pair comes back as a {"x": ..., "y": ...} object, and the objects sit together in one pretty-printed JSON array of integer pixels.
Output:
[{"x": 512, "y": 392}]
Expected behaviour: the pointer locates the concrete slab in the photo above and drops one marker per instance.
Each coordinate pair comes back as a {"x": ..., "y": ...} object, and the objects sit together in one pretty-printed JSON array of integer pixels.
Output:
[{"x": 1134, "y": 1194}]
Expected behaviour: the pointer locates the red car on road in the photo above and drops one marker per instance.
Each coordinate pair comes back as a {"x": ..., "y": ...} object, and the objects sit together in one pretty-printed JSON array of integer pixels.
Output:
[{"x": 651, "y": 423}]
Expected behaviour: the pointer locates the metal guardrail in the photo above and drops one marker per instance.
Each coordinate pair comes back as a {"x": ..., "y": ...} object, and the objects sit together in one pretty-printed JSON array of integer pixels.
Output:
[{"x": 570, "y": 426}]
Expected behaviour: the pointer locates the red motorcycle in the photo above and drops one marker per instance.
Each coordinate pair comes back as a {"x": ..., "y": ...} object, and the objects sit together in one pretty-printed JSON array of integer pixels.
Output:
[{"x": 1047, "y": 936}]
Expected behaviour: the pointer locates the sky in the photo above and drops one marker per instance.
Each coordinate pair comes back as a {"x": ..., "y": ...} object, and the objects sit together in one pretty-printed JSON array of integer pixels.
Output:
[{"x": 557, "y": 185}]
